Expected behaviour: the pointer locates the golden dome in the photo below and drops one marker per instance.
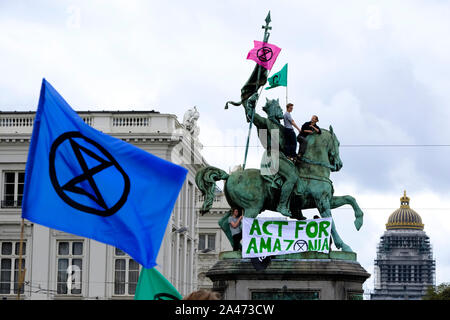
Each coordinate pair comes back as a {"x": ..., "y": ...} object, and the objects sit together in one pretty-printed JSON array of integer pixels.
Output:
[{"x": 404, "y": 217}]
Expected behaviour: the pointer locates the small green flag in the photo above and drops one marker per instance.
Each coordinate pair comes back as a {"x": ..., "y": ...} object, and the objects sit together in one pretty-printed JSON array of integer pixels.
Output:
[
  {"x": 153, "y": 286},
  {"x": 279, "y": 78}
]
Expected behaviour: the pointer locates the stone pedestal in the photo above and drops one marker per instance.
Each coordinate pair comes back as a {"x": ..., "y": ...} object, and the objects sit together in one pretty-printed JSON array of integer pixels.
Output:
[{"x": 299, "y": 276}]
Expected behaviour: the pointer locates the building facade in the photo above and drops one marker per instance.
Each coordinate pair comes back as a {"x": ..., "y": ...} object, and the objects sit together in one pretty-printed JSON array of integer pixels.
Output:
[
  {"x": 404, "y": 267},
  {"x": 50, "y": 256},
  {"x": 211, "y": 239}
]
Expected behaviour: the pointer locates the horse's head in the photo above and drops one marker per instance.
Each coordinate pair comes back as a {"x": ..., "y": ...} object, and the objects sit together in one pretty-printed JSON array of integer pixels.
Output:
[
  {"x": 333, "y": 152},
  {"x": 273, "y": 109}
]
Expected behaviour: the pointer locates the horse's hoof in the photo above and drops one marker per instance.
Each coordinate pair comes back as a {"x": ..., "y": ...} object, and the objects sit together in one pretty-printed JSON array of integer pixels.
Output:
[{"x": 358, "y": 223}]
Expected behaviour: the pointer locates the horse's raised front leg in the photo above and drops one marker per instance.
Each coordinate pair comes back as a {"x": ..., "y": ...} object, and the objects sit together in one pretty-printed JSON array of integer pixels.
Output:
[
  {"x": 337, "y": 202},
  {"x": 323, "y": 205}
]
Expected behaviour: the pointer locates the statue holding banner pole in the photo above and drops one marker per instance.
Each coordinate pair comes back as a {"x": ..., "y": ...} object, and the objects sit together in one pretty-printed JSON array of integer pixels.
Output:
[{"x": 280, "y": 185}]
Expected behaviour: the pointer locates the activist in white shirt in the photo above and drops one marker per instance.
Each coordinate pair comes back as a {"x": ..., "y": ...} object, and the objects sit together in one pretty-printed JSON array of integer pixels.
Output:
[{"x": 236, "y": 229}]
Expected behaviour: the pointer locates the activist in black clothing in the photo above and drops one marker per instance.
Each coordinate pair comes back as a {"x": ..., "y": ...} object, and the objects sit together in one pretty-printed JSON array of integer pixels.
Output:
[{"x": 308, "y": 128}]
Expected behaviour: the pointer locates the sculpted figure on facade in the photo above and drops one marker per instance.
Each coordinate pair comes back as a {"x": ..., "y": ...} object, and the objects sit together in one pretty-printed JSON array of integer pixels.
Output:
[{"x": 190, "y": 121}]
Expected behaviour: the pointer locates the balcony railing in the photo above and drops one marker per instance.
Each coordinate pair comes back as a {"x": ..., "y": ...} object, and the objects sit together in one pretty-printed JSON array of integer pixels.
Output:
[
  {"x": 130, "y": 121},
  {"x": 202, "y": 199},
  {"x": 25, "y": 121},
  {"x": 107, "y": 121}
]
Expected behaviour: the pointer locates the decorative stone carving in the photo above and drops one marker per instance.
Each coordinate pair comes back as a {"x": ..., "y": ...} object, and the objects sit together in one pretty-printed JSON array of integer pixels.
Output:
[{"x": 190, "y": 121}]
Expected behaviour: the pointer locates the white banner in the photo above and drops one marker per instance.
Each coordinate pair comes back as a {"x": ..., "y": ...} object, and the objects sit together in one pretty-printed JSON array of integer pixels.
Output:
[{"x": 276, "y": 236}]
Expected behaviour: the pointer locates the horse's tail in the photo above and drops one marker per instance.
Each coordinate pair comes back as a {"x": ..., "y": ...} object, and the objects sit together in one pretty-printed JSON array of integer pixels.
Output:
[{"x": 206, "y": 181}]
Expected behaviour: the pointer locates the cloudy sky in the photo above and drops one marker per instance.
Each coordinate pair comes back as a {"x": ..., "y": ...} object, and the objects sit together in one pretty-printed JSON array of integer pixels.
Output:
[{"x": 377, "y": 71}]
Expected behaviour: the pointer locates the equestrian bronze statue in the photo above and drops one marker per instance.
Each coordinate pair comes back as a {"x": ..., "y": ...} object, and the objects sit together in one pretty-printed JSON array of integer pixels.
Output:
[{"x": 280, "y": 184}]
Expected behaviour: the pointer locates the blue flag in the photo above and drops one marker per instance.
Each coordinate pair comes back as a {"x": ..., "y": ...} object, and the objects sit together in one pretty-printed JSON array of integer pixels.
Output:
[{"x": 82, "y": 181}]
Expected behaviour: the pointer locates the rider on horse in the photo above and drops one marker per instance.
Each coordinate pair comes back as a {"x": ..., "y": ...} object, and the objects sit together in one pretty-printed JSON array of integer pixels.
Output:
[{"x": 275, "y": 131}]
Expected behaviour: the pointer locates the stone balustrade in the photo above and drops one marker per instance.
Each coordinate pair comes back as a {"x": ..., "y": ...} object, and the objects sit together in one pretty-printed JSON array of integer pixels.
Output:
[{"x": 105, "y": 121}]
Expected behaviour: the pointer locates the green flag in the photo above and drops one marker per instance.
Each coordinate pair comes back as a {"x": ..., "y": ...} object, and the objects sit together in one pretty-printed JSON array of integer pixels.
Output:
[
  {"x": 279, "y": 78},
  {"x": 153, "y": 286},
  {"x": 225, "y": 225}
]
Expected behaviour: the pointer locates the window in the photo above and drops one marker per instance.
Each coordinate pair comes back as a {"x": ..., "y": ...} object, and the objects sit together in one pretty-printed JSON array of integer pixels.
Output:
[
  {"x": 190, "y": 205},
  {"x": 207, "y": 242},
  {"x": 70, "y": 264},
  {"x": 9, "y": 266},
  {"x": 391, "y": 273},
  {"x": 417, "y": 275},
  {"x": 13, "y": 189},
  {"x": 126, "y": 273}
]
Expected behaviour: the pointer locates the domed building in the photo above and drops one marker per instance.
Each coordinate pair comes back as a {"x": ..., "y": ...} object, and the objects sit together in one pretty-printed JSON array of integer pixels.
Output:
[{"x": 404, "y": 266}]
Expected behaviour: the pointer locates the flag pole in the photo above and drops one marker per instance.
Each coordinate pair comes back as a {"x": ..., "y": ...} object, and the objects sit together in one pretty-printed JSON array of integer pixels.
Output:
[
  {"x": 21, "y": 276},
  {"x": 287, "y": 83},
  {"x": 266, "y": 38},
  {"x": 250, "y": 128},
  {"x": 286, "y": 94}
]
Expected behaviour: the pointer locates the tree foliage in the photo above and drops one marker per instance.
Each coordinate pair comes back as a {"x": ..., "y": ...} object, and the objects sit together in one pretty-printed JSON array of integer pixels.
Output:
[{"x": 441, "y": 292}]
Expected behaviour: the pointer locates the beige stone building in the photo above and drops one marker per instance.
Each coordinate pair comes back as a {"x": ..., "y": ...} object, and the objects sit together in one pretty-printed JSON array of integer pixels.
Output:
[
  {"x": 106, "y": 273},
  {"x": 212, "y": 239}
]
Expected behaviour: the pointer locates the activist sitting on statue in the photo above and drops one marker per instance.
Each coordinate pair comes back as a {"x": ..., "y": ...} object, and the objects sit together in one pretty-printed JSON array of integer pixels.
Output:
[
  {"x": 236, "y": 229},
  {"x": 274, "y": 130},
  {"x": 289, "y": 125},
  {"x": 308, "y": 128}
]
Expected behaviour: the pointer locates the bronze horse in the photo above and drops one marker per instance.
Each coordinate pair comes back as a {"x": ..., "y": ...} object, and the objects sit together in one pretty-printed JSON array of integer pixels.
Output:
[{"x": 254, "y": 193}]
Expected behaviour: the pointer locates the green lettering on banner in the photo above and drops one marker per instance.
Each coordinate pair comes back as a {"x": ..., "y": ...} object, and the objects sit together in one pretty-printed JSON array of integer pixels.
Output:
[
  {"x": 265, "y": 245},
  {"x": 325, "y": 245},
  {"x": 252, "y": 246},
  {"x": 264, "y": 227},
  {"x": 277, "y": 245},
  {"x": 280, "y": 226},
  {"x": 311, "y": 246},
  {"x": 314, "y": 225},
  {"x": 323, "y": 228},
  {"x": 298, "y": 227},
  {"x": 290, "y": 242},
  {"x": 255, "y": 228}
]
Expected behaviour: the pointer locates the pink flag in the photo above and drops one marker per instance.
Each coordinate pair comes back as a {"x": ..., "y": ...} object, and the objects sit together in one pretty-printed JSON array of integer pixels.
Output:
[{"x": 264, "y": 54}]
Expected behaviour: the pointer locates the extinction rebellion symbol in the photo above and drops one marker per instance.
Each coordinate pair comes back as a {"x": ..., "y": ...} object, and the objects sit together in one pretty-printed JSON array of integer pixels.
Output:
[
  {"x": 77, "y": 185},
  {"x": 264, "y": 54},
  {"x": 301, "y": 246}
]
